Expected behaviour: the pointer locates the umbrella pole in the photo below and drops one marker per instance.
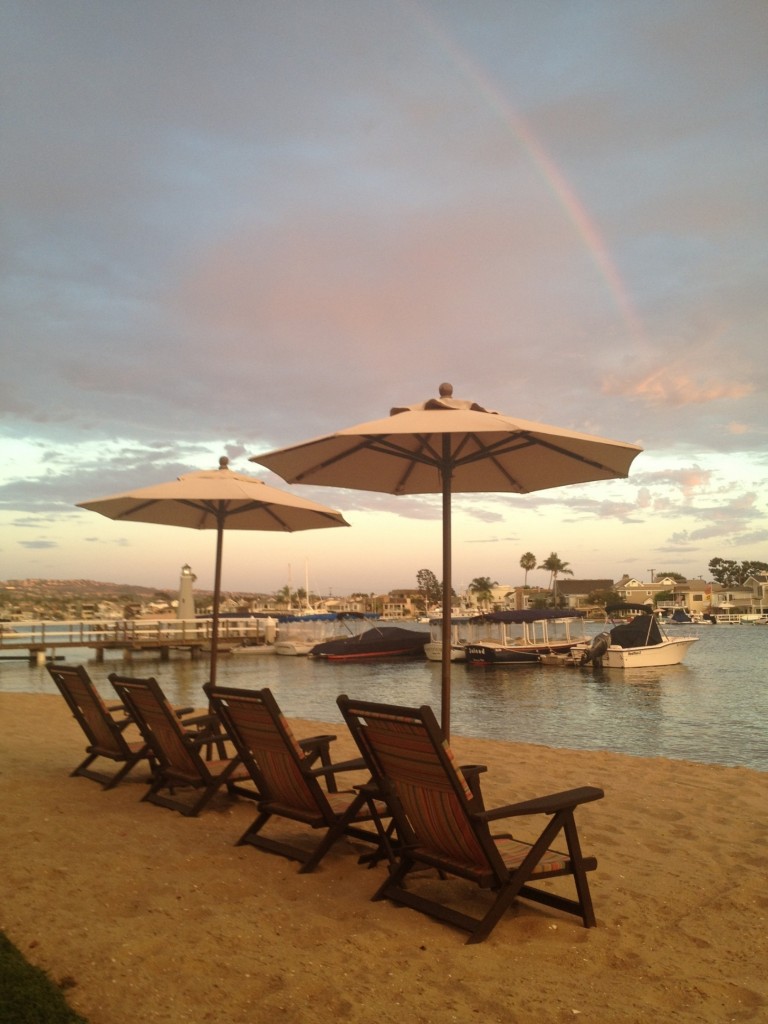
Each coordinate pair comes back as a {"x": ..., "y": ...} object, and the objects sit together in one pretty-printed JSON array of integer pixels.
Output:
[
  {"x": 216, "y": 600},
  {"x": 445, "y": 692}
]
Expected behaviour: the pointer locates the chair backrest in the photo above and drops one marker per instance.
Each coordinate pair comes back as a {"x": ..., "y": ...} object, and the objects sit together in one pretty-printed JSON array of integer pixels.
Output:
[
  {"x": 267, "y": 747},
  {"x": 88, "y": 707},
  {"x": 428, "y": 794},
  {"x": 159, "y": 724}
]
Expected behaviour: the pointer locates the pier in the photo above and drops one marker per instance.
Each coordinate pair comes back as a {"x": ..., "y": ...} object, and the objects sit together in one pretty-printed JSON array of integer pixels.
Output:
[{"x": 39, "y": 642}]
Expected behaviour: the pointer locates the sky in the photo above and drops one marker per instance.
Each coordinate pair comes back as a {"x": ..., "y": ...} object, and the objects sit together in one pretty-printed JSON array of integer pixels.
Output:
[{"x": 230, "y": 227}]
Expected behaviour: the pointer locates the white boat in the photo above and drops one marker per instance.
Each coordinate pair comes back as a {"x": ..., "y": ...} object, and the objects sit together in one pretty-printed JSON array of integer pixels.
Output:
[
  {"x": 434, "y": 651},
  {"x": 639, "y": 643},
  {"x": 434, "y": 648},
  {"x": 253, "y": 649},
  {"x": 294, "y": 647}
]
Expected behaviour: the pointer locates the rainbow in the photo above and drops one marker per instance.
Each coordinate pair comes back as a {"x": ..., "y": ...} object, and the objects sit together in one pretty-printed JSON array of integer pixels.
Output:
[{"x": 553, "y": 176}]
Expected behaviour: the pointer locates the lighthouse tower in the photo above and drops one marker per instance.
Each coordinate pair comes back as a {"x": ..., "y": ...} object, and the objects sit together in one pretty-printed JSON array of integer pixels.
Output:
[{"x": 186, "y": 606}]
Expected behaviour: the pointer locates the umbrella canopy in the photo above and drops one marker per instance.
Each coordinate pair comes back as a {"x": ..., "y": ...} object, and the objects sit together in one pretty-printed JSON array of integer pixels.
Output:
[
  {"x": 447, "y": 445},
  {"x": 217, "y": 499}
]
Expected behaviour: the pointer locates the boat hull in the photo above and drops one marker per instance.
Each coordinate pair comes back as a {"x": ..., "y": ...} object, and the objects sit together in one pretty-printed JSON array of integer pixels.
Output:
[
  {"x": 434, "y": 651},
  {"x": 493, "y": 654},
  {"x": 294, "y": 648},
  {"x": 669, "y": 652}
]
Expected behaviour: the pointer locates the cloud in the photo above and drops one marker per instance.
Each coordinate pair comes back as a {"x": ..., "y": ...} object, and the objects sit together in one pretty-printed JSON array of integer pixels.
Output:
[{"x": 665, "y": 386}]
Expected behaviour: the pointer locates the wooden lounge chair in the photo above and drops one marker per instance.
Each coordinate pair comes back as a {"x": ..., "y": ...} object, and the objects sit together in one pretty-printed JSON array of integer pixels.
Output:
[
  {"x": 178, "y": 750},
  {"x": 287, "y": 775},
  {"x": 441, "y": 822},
  {"x": 104, "y": 725}
]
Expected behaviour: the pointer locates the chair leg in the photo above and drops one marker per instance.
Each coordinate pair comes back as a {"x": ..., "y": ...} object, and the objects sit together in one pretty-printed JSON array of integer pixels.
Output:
[
  {"x": 336, "y": 832},
  {"x": 254, "y": 828},
  {"x": 579, "y": 874},
  {"x": 126, "y": 767}
]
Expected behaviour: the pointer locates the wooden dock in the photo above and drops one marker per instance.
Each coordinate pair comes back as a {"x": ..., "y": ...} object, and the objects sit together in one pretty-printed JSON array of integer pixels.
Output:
[{"x": 39, "y": 642}]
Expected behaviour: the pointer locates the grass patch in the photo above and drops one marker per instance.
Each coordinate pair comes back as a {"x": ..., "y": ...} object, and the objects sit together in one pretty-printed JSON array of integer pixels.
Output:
[{"x": 27, "y": 994}]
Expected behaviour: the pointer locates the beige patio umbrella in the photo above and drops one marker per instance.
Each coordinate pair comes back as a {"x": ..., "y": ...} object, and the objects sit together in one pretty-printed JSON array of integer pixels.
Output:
[
  {"x": 447, "y": 445},
  {"x": 219, "y": 500}
]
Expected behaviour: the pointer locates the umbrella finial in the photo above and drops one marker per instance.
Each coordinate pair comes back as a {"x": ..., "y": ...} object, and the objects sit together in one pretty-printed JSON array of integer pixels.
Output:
[
  {"x": 446, "y": 390},
  {"x": 223, "y": 462}
]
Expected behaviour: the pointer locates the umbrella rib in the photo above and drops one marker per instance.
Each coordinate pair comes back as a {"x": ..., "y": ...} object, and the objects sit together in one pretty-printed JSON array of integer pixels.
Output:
[
  {"x": 522, "y": 440},
  {"x": 378, "y": 443},
  {"x": 330, "y": 461},
  {"x": 134, "y": 509}
]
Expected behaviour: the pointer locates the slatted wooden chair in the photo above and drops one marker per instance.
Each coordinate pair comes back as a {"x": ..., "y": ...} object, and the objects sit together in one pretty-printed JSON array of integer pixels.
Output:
[
  {"x": 104, "y": 726},
  {"x": 178, "y": 750},
  {"x": 442, "y": 823},
  {"x": 288, "y": 773}
]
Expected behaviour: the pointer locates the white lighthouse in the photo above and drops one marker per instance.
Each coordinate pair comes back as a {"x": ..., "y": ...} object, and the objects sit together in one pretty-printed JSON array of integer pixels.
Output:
[{"x": 186, "y": 606}]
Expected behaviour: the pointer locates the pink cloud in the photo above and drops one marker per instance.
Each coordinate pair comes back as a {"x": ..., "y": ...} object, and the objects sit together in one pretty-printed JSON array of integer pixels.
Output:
[{"x": 665, "y": 387}]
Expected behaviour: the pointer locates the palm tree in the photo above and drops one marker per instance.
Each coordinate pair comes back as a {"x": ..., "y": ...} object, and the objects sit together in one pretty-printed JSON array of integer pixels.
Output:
[
  {"x": 555, "y": 567},
  {"x": 482, "y": 588},
  {"x": 527, "y": 562}
]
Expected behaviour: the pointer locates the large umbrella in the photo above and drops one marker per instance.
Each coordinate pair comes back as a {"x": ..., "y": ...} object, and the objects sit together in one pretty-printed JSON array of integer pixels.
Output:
[
  {"x": 448, "y": 445},
  {"x": 217, "y": 499}
]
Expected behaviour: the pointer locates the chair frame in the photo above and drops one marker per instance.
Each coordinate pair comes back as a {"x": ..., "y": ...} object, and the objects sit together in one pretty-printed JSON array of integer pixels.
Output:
[
  {"x": 105, "y": 732},
  {"x": 177, "y": 749},
  {"x": 402, "y": 773},
  {"x": 287, "y": 775}
]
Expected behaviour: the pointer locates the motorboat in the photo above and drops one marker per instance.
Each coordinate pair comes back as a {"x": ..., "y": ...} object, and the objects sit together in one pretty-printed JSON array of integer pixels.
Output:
[
  {"x": 679, "y": 617},
  {"x": 527, "y": 636},
  {"x": 434, "y": 648},
  {"x": 294, "y": 647},
  {"x": 253, "y": 649},
  {"x": 638, "y": 643},
  {"x": 492, "y": 653},
  {"x": 379, "y": 642},
  {"x": 299, "y": 634}
]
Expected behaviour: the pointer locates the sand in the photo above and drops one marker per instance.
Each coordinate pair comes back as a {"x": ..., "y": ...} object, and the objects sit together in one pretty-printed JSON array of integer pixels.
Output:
[{"x": 144, "y": 915}]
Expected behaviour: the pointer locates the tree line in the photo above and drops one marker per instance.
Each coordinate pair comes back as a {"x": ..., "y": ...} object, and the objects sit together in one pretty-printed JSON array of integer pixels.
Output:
[{"x": 726, "y": 572}]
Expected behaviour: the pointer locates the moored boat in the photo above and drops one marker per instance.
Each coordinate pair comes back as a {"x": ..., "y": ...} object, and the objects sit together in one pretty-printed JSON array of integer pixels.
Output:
[
  {"x": 434, "y": 648},
  {"x": 294, "y": 647},
  {"x": 639, "y": 643},
  {"x": 537, "y": 633},
  {"x": 259, "y": 649},
  {"x": 679, "y": 617},
  {"x": 491, "y": 653},
  {"x": 379, "y": 642}
]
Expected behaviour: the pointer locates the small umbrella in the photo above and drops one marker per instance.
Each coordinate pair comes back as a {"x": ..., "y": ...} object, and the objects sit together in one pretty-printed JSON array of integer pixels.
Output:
[
  {"x": 447, "y": 445},
  {"x": 217, "y": 499}
]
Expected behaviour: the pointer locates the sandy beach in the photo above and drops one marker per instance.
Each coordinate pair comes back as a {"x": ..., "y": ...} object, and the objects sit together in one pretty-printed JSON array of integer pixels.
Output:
[{"x": 144, "y": 915}]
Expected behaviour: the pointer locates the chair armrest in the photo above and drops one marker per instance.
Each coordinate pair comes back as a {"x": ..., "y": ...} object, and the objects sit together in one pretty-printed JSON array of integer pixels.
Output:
[
  {"x": 312, "y": 742},
  {"x": 205, "y": 737},
  {"x": 182, "y": 711},
  {"x": 199, "y": 720},
  {"x": 544, "y": 804},
  {"x": 356, "y": 764}
]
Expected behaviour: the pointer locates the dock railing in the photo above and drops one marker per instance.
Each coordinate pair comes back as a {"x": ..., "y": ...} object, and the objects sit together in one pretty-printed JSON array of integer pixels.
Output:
[{"x": 41, "y": 639}]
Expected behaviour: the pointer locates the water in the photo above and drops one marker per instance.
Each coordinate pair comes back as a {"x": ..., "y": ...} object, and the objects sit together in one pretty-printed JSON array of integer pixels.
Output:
[{"x": 712, "y": 709}]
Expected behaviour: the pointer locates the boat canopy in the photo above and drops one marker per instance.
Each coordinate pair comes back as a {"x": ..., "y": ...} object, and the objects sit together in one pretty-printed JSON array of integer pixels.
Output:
[{"x": 530, "y": 615}]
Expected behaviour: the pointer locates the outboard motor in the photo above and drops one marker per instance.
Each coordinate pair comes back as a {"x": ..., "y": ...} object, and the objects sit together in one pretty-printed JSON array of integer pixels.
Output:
[{"x": 596, "y": 650}]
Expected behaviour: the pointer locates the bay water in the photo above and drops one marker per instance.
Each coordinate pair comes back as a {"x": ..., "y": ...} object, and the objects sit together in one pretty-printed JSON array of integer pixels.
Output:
[{"x": 712, "y": 709}]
